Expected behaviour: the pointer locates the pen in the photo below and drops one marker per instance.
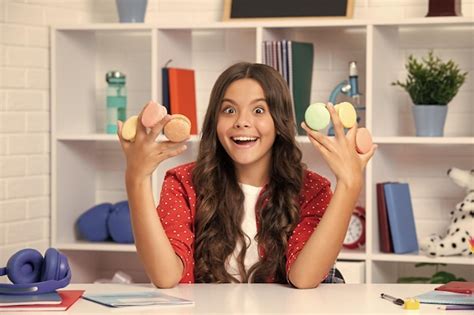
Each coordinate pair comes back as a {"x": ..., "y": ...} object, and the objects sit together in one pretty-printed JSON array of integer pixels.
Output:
[
  {"x": 392, "y": 299},
  {"x": 456, "y": 307}
]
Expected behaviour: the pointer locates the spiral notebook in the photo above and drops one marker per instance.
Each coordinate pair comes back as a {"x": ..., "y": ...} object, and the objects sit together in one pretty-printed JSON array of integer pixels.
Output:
[{"x": 447, "y": 298}]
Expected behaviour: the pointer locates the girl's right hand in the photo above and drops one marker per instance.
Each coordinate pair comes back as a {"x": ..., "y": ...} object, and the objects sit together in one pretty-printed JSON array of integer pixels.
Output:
[{"x": 145, "y": 154}]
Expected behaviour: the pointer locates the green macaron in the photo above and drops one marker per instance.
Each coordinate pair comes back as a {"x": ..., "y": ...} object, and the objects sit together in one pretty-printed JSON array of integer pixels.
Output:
[{"x": 317, "y": 116}]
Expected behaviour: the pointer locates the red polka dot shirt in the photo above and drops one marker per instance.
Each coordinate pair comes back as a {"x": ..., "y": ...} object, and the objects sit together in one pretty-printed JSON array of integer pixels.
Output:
[{"x": 177, "y": 209}]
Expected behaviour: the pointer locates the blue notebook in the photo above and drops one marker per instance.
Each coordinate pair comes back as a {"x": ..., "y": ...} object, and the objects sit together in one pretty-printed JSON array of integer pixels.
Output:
[
  {"x": 447, "y": 298},
  {"x": 146, "y": 298},
  {"x": 400, "y": 217},
  {"x": 27, "y": 299}
]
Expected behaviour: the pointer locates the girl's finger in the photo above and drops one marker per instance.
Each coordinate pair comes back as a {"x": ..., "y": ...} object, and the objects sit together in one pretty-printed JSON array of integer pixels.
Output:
[
  {"x": 322, "y": 139},
  {"x": 367, "y": 156},
  {"x": 168, "y": 145},
  {"x": 322, "y": 149},
  {"x": 171, "y": 153},
  {"x": 336, "y": 121},
  {"x": 141, "y": 130},
  {"x": 156, "y": 130},
  {"x": 351, "y": 135}
]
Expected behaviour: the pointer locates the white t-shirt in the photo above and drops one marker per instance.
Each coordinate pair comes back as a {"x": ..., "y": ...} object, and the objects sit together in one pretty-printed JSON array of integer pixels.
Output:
[{"x": 249, "y": 227}]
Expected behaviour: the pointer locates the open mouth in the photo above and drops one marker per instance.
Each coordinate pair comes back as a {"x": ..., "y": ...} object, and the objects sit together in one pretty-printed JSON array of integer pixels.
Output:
[{"x": 244, "y": 140}]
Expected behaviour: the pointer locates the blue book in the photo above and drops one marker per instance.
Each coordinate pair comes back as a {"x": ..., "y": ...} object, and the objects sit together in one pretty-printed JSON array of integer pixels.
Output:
[
  {"x": 165, "y": 89},
  {"x": 27, "y": 299},
  {"x": 400, "y": 217}
]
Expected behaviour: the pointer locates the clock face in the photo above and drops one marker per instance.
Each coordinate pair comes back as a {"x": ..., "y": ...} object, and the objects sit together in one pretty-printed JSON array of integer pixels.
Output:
[{"x": 355, "y": 230}]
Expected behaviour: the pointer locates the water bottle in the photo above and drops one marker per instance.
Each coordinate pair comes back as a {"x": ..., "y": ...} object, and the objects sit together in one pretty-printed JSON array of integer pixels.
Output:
[{"x": 116, "y": 100}]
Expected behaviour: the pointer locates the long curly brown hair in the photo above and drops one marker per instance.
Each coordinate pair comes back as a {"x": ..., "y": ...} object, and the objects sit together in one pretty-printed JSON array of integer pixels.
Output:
[{"x": 220, "y": 200}]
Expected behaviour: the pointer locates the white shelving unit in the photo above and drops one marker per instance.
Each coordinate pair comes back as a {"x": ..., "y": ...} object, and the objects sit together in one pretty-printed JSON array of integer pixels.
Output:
[{"x": 88, "y": 166}]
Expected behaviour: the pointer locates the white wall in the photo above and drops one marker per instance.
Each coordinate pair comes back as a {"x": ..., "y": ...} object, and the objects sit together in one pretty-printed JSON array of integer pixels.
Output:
[{"x": 24, "y": 95}]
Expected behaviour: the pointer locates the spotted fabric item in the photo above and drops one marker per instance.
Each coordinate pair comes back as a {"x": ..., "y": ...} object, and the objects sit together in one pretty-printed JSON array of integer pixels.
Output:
[{"x": 177, "y": 208}]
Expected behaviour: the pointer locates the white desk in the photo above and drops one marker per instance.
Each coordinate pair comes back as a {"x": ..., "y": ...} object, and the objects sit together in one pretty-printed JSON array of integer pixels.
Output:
[{"x": 266, "y": 299}]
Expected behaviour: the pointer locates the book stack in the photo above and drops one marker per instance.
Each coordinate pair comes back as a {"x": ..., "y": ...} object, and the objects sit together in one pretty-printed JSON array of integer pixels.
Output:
[
  {"x": 397, "y": 229},
  {"x": 54, "y": 301},
  {"x": 294, "y": 61},
  {"x": 454, "y": 295}
]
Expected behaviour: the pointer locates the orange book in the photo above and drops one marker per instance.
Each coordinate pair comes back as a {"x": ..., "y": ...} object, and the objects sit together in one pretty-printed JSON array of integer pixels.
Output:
[
  {"x": 182, "y": 92},
  {"x": 68, "y": 298}
]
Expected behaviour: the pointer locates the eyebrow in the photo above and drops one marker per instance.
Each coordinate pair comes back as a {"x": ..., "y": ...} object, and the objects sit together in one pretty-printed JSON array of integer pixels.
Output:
[{"x": 235, "y": 103}]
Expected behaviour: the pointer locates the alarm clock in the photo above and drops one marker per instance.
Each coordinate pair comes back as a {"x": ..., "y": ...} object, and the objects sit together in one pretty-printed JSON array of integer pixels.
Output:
[{"x": 355, "y": 235}]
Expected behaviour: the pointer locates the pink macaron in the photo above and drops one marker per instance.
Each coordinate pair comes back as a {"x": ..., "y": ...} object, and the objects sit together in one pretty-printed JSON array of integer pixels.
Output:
[
  {"x": 363, "y": 140},
  {"x": 152, "y": 114}
]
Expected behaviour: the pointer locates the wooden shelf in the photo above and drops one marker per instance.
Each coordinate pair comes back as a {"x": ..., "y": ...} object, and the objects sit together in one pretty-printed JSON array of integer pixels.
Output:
[
  {"x": 99, "y": 246},
  {"x": 459, "y": 260}
]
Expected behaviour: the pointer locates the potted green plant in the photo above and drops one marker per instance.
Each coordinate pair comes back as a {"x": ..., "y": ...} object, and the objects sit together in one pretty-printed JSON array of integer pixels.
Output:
[
  {"x": 431, "y": 84},
  {"x": 438, "y": 277}
]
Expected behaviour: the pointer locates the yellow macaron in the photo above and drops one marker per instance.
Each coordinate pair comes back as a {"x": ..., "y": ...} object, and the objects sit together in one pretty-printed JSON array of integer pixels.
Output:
[
  {"x": 347, "y": 114},
  {"x": 129, "y": 128}
]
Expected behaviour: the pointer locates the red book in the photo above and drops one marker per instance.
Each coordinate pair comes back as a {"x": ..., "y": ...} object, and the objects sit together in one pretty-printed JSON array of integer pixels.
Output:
[
  {"x": 384, "y": 229},
  {"x": 68, "y": 297},
  {"x": 457, "y": 287},
  {"x": 183, "y": 94}
]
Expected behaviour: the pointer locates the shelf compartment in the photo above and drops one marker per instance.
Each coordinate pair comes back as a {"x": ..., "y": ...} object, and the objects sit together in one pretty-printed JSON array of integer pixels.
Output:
[
  {"x": 331, "y": 57},
  {"x": 80, "y": 61},
  {"x": 391, "y": 271},
  {"x": 208, "y": 52},
  {"x": 352, "y": 254},
  {"x": 84, "y": 174},
  {"x": 392, "y": 44},
  {"x": 424, "y": 168}
]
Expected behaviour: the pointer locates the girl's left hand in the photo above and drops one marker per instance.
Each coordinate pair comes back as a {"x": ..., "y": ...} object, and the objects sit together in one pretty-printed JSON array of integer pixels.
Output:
[{"x": 340, "y": 151}]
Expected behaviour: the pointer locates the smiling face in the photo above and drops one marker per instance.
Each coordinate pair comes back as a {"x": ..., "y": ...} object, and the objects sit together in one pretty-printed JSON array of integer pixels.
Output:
[{"x": 245, "y": 127}]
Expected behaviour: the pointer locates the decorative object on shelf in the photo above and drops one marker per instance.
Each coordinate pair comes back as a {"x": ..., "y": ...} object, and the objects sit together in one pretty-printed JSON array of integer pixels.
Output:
[
  {"x": 106, "y": 221},
  {"x": 431, "y": 84},
  {"x": 131, "y": 11},
  {"x": 460, "y": 232},
  {"x": 116, "y": 100},
  {"x": 350, "y": 88},
  {"x": 278, "y": 9},
  {"x": 355, "y": 235},
  {"x": 119, "y": 277},
  {"x": 317, "y": 117},
  {"x": 30, "y": 273},
  {"x": 437, "y": 277},
  {"x": 444, "y": 8}
]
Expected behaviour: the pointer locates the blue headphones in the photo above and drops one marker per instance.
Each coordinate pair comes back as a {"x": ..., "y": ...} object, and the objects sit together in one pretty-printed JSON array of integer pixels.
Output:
[{"x": 30, "y": 273}]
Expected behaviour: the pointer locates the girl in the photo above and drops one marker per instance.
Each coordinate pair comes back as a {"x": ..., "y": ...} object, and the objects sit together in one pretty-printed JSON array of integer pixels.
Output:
[{"x": 247, "y": 210}]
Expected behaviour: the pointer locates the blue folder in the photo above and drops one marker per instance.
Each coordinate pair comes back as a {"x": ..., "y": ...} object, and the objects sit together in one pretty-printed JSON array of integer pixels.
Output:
[{"x": 400, "y": 217}]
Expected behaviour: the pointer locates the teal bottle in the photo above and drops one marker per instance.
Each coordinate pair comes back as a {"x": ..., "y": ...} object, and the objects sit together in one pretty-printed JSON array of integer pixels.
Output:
[{"x": 116, "y": 100}]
